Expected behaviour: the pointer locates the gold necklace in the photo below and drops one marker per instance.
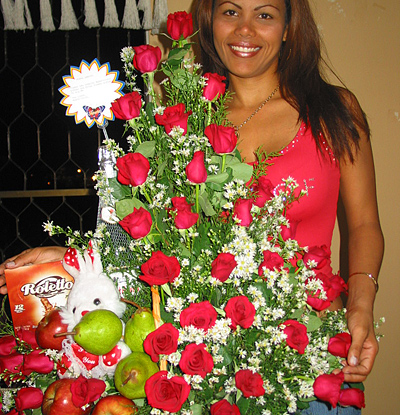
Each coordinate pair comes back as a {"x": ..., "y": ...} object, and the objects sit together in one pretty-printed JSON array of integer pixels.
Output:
[{"x": 238, "y": 127}]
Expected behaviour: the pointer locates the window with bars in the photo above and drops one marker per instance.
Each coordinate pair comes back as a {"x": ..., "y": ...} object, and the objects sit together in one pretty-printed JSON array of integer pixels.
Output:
[{"x": 47, "y": 161}]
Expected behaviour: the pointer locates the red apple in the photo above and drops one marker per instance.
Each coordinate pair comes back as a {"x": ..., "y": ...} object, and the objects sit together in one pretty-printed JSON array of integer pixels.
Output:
[
  {"x": 115, "y": 404},
  {"x": 48, "y": 326},
  {"x": 57, "y": 399}
]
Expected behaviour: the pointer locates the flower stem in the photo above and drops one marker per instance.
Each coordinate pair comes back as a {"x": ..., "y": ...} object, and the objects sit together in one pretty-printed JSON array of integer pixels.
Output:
[
  {"x": 223, "y": 163},
  {"x": 146, "y": 195},
  {"x": 197, "y": 199}
]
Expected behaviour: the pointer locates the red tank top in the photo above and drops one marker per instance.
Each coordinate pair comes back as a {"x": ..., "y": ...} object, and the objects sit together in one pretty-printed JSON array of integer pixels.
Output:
[{"x": 319, "y": 174}]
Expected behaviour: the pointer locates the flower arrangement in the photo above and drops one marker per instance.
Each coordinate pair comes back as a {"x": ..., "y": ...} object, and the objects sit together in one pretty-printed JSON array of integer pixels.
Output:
[{"x": 241, "y": 325}]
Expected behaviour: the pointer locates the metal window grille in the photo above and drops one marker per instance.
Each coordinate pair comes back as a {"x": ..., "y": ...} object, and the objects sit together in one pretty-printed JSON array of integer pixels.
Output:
[{"x": 46, "y": 160}]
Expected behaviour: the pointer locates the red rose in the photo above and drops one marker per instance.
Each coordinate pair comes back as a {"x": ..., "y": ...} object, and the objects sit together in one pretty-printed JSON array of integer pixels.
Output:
[
  {"x": 352, "y": 397},
  {"x": 222, "y": 266},
  {"x": 222, "y": 139},
  {"x": 138, "y": 223},
  {"x": 160, "y": 269},
  {"x": 327, "y": 387},
  {"x": 7, "y": 345},
  {"x": 334, "y": 286},
  {"x": 200, "y": 315},
  {"x": 133, "y": 169},
  {"x": 215, "y": 86},
  {"x": 195, "y": 360},
  {"x": 174, "y": 116},
  {"x": 224, "y": 408},
  {"x": 196, "y": 170},
  {"x": 320, "y": 254},
  {"x": 264, "y": 191},
  {"x": 339, "y": 345},
  {"x": 146, "y": 58},
  {"x": 28, "y": 398},
  {"x": 241, "y": 211},
  {"x": 272, "y": 261},
  {"x": 296, "y": 335},
  {"x": 128, "y": 106},
  {"x": 28, "y": 336},
  {"x": 241, "y": 312},
  {"x": 85, "y": 390},
  {"x": 163, "y": 340},
  {"x": 37, "y": 361},
  {"x": 185, "y": 219},
  {"x": 11, "y": 362},
  {"x": 289, "y": 231},
  {"x": 180, "y": 24},
  {"x": 249, "y": 383},
  {"x": 167, "y": 394},
  {"x": 180, "y": 203}
]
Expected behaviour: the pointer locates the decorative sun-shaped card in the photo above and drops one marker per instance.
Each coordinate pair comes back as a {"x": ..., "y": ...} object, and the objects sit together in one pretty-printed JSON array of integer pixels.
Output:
[{"x": 89, "y": 91}]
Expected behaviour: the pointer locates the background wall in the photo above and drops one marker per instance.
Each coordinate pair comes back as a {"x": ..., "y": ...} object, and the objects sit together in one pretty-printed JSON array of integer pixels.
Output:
[{"x": 363, "y": 41}]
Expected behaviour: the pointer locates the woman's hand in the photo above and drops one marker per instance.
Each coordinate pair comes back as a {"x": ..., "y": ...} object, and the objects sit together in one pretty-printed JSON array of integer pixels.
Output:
[
  {"x": 39, "y": 255},
  {"x": 364, "y": 346}
]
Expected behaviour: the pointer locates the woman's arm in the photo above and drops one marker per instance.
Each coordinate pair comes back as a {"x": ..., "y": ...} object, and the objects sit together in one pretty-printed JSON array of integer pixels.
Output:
[
  {"x": 366, "y": 247},
  {"x": 30, "y": 256}
]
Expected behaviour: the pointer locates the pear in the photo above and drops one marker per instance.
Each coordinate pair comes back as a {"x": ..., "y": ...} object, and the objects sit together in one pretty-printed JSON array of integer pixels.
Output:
[
  {"x": 132, "y": 373},
  {"x": 137, "y": 328},
  {"x": 98, "y": 331}
]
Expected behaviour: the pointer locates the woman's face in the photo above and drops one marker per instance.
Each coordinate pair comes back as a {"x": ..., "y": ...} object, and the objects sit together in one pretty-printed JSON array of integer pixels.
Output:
[{"x": 248, "y": 35}]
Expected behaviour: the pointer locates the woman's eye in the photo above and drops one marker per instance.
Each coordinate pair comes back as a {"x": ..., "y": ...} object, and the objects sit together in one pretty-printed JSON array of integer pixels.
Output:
[
  {"x": 265, "y": 16},
  {"x": 230, "y": 13},
  {"x": 96, "y": 301}
]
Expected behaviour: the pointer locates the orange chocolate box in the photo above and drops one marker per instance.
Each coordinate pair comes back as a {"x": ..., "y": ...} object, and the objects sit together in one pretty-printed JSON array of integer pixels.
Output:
[{"x": 35, "y": 289}]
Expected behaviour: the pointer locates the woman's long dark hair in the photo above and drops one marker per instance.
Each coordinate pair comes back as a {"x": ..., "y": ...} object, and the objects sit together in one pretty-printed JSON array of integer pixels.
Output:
[{"x": 330, "y": 111}]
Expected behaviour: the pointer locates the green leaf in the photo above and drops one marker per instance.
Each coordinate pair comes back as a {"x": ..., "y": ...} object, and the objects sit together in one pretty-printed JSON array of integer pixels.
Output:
[
  {"x": 125, "y": 207},
  {"x": 243, "y": 405},
  {"x": 358, "y": 385},
  {"x": 206, "y": 205},
  {"x": 166, "y": 289},
  {"x": 196, "y": 409},
  {"x": 218, "y": 178},
  {"x": 150, "y": 112},
  {"x": 119, "y": 191},
  {"x": 146, "y": 149},
  {"x": 226, "y": 355},
  {"x": 314, "y": 323},
  {"x": 297, "y": 314}
]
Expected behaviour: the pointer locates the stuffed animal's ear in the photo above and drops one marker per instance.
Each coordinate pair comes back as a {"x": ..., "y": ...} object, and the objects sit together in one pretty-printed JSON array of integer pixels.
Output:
[
  {"x": 97, "y": 265},
  {"x": 71, "y": 262}
]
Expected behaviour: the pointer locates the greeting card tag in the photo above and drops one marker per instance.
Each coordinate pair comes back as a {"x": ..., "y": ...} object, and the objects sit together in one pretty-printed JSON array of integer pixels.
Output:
[
  {"x": 35, "y": 289},
  {"x": 89, "y": 91}
]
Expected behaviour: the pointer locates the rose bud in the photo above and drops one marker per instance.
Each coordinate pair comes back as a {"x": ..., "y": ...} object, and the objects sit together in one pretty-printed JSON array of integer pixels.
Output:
[
  {"x": 264, "y": 191},
  {"x": 224, "y": 408},
  {"x": 249, "y": 383},
  {"x": 133, "y": 169},
  {"x": 166, "y": 393},
  {"x": 11, "y": 362},
  {"x": 180, "y": 24},
  {"x": 222, "y": 266},
  {"x": 28, "y": 336},
  {"x": 163, "y": 340},
  {"x": 289, "y": 231},
  {"x": 241, "y": 312},
  {"x": 195, "y": 360},
  {"x": 137, "y": 224},
  {"x": 28, "y": 398},
  {"x": 215, "y": 86},
  {"x": 200, "y": 315},
  {"x": 7, "y": 345},
  {"x": 327, "y": 387},
  {"x": 160, "y": 269},
  {"x": 272, "y": 261},
  {"x": 242, "y": 211},
  {"x": 37, "y": 361},
  {"x": 222, "y": 139},
  {"x": 146, "y": 58},
  {"x": 339, "y": 345},
  {"x": 85, "y": 390},
  {"x": 296, "y": 335},
  {"x": 174, "y": 116},
  {"x": 196, "y": 170},
  {"x": 318, "y": 254},
  {"x": 352, "y": 397},
  {"x": 128, "y": 106},
  {"x": 185, "y": 219}
]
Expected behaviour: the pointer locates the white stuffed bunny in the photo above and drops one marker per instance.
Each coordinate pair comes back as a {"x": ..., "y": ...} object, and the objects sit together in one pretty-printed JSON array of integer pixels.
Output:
[{"x": 92, "y": 290}]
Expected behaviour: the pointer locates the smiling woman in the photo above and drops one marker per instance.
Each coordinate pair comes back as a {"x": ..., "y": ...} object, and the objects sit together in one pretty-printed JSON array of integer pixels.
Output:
[{"x": 320, "y": 133}]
